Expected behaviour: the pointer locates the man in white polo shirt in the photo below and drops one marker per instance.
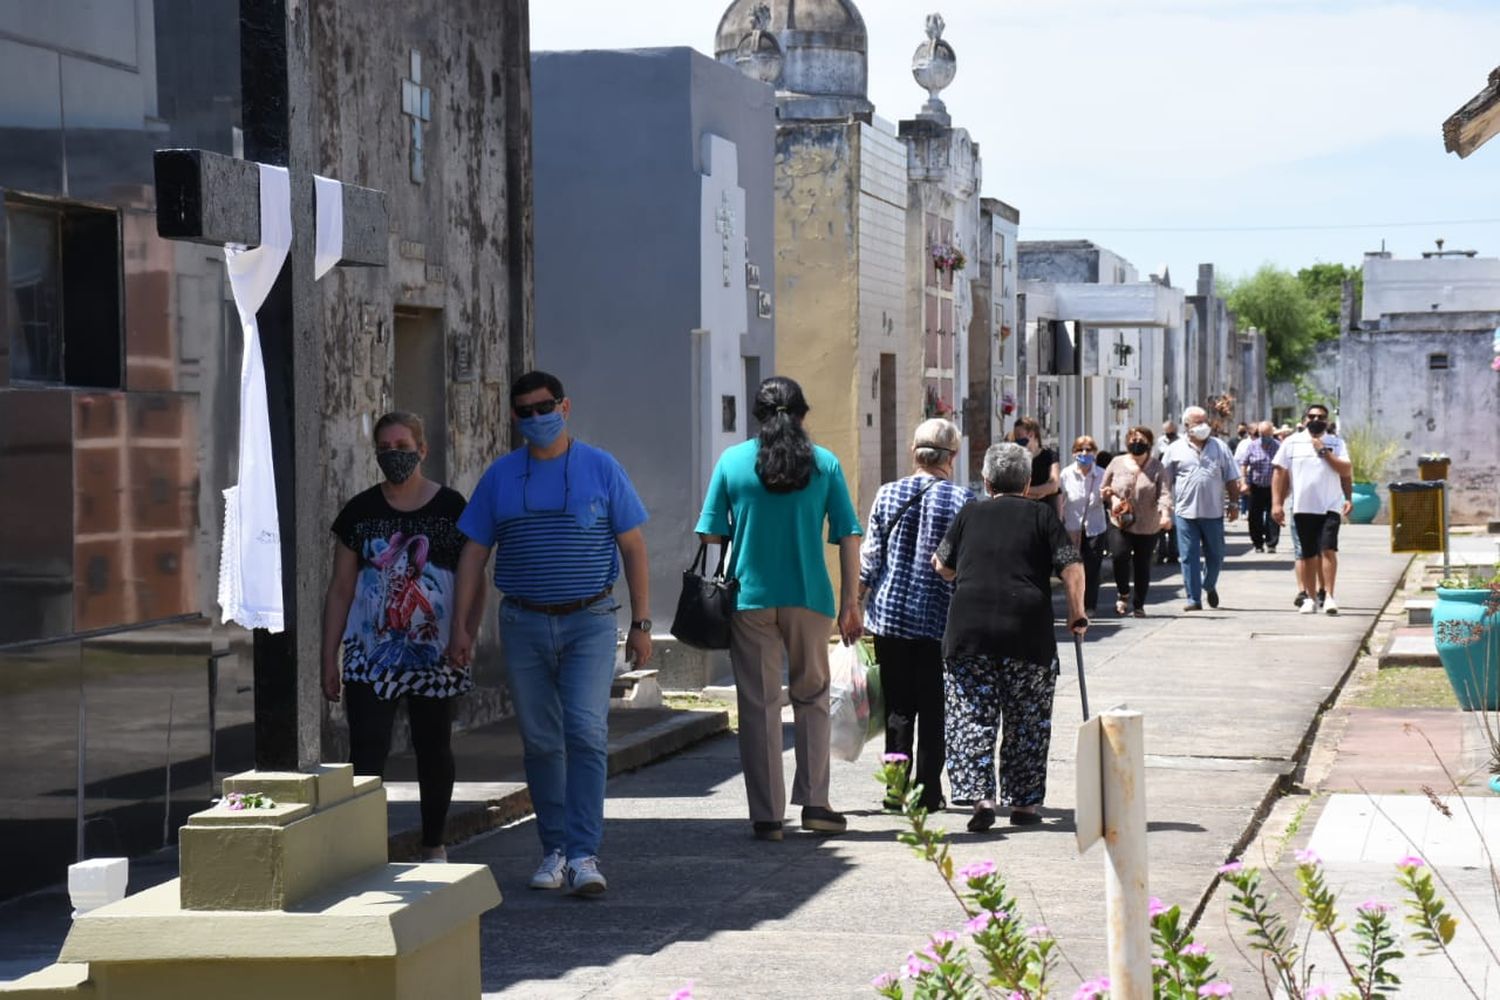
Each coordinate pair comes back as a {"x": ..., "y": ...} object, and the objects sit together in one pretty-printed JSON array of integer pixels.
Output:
[{"x": 1310, "y": 467}]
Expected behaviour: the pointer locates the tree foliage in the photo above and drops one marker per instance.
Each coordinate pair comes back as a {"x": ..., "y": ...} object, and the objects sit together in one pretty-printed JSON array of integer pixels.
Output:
[
  {"x": 1277, "y": 303},
  {"x": 1324, "y": 284}
]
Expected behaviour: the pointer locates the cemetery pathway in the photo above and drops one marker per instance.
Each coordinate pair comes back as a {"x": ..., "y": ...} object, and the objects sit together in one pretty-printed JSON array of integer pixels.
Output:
[{"x": 1229, "y": 698}]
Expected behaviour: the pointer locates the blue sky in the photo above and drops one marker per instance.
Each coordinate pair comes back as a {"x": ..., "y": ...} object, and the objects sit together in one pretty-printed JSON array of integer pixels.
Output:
[{"x": 1114, "y": 120}]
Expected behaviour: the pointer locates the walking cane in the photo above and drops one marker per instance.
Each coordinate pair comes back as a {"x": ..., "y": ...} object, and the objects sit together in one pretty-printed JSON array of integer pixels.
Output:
[{"x": 1083, "y": 687}]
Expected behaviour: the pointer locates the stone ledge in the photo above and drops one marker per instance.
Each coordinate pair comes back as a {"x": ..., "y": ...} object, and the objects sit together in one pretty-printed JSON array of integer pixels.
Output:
[
  {"x": 391, "y": 910},
  {"x": 1410, "y": 647},
  {"x": 60, "y": 980}
]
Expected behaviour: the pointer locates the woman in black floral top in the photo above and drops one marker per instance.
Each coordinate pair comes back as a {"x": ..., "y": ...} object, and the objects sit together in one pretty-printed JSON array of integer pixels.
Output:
[
  {"x": 387, "y": 616},
  {"x": 998, "y": 649}
]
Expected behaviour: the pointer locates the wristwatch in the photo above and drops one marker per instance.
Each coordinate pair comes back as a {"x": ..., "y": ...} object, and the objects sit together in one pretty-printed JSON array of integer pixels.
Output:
[{"x": 643, "y": 625}]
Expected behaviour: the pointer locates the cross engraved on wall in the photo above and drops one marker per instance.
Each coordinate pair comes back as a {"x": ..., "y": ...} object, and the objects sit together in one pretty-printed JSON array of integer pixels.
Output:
[
  {"x": 725, "y": 228},
  {"x": 416, "y": 104}
]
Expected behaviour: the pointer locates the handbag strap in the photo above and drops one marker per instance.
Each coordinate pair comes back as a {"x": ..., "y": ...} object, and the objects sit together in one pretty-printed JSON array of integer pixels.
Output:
[
  {"x": 901, "y": 512},
  {"x": 700, "y": 561}
]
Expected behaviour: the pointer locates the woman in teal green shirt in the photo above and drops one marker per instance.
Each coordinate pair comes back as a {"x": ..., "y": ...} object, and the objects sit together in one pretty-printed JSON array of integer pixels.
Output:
[{"x": 770, "y": 498}]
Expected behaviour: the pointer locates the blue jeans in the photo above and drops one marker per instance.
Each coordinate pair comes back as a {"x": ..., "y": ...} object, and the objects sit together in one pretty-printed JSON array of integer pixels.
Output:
[
  {"x": 1200, "y": 537},
  {"x": 560, "y": 669}
]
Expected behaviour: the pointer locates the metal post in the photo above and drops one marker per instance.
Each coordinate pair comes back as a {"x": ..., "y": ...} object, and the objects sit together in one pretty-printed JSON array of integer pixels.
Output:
[
  {"x": 1447, "y": 570},
  {"x": 1123, "y": 766}
]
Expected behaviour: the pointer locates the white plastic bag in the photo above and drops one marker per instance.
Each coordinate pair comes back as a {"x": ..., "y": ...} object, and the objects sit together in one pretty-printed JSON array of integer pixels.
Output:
[{"x": 854, "y": 703}]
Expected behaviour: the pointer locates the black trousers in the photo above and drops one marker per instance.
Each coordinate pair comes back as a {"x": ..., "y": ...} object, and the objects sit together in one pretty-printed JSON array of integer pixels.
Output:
[
  {"x": 911, "y": 676},
  {"x": 1264, "y": 531},
  {"x": 1092, "y": 550},
  {"x": 1133, "y": 555},
  {"x": 370, "y": 721}
]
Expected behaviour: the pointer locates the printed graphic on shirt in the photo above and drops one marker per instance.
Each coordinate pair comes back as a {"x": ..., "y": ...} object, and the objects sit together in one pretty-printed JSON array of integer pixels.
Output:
[{"x": 399, "y": 622}]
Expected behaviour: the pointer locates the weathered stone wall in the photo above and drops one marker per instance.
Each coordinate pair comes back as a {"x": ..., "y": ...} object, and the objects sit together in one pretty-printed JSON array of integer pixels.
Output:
[
  {"x": 817, "y": 286},
  {"x": 1385, "y": 378},
  {"x": 460, "y": 247}
]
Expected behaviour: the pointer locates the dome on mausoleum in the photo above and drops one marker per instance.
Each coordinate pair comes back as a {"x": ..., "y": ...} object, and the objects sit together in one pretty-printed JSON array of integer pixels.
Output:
[{"x": 823, "y": 50}]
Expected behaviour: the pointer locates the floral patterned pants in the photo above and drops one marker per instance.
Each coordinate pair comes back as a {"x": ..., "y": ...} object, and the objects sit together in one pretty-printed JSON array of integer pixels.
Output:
[{"x": 981, "y": 691}]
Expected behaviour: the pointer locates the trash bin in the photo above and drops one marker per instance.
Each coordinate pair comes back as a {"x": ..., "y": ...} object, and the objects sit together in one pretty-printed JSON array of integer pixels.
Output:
[
  {"x": 1418, "y": 516},
  {"x": 1433, "y": 469}
]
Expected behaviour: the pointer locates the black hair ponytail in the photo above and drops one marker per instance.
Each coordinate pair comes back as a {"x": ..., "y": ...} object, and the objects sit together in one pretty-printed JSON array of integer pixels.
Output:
[{"x": 785, "y": 460}]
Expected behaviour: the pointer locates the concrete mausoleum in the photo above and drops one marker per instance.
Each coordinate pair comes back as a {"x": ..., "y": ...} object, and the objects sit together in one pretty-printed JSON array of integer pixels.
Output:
[
  {"x": 656, "y": 271},
  {"x": 1414, "y": 362}
]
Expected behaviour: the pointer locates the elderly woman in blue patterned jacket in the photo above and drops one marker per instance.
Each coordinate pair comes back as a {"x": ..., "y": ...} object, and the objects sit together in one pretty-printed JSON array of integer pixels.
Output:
[
  {"x": 906, "y": 602},
  {"x": 998, "y": 649}
]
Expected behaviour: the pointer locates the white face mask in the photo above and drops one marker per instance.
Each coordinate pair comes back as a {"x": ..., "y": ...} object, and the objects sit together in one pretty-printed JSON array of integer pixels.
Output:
[{"x": 1200, "y": 432}]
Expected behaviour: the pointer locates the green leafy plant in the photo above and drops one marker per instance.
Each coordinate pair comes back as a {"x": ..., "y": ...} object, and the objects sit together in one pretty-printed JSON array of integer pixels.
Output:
[
  {"x": 1370, "y": 451},
  {"x": 1369, "y": 963},
  {"x": 997, "y": 954}
]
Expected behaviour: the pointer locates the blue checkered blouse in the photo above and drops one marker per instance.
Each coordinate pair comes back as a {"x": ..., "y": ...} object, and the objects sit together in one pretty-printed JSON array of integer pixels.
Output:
[{"x": 908, "y": 600}]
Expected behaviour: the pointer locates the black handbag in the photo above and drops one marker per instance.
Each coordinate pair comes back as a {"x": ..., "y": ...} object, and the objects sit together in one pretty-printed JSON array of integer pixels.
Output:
[{"x": 706, "y": 603}]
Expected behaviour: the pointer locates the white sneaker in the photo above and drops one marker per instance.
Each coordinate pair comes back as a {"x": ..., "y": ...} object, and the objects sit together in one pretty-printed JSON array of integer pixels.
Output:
[
  {"x": 1330, "y": 606},
  {"x": 1309, "y": 607},
  {"x": 549, "y": 874},
  {"x": 584, "y": 877}
]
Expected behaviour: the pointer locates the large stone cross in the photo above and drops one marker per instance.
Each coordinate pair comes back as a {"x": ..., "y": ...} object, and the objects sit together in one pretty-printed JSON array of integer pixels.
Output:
[{"x": 209, "y": 198}]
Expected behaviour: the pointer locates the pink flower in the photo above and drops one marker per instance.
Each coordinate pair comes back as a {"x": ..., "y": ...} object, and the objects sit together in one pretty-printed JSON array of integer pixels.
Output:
[
  {"x": 979, "y": 869},
  {"x": 895, "y": 758},
  {"x": 1216, "y": 989},
  {"x": 686, "y": 993},
  {"x": 1156, "y": 908},
  {"x": 1231, "y": 868},
  {"x": 1306, "y": 856},
  {"x": 1317, "y": 992},
  {"x": 1039, "y": 931},
  {"x": 914, "y": 967},
  {"x": 1495, "y": 363},
  {"x": 1374, "y": 906},
  {"x": 1195, "y": 949},
  {"x": 1410, "y": 861},
  {"x": 884, "y": 981},
  {"x": 1090, "y": 989},
  {"x": 979, "y": 923},
  {"x": 944, "y": 937}
]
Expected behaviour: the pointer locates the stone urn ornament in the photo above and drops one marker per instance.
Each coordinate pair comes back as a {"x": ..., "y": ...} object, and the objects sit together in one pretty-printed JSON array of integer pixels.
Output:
[
  {"x": 933, "y": 66},
  {"x": 759, "y": 54}
]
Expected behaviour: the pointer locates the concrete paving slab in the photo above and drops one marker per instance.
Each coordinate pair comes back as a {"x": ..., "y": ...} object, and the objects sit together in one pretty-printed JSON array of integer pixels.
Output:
[
  {"x": 1230, "y": 697},
  {"x": 1411, "y": 647}
]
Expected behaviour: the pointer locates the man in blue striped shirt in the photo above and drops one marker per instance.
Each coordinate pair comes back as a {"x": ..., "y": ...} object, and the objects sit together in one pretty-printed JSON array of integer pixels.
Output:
[{"x": 562, "y": 517}]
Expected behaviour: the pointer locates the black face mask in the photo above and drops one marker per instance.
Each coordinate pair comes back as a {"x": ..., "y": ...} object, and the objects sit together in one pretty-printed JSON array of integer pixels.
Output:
[
  {"x": 1316, "y": 426},
  {"x": 1139, "y": 447},
  {"x": 397, "y": 465},
  {"x": 1023, "y": 441}
]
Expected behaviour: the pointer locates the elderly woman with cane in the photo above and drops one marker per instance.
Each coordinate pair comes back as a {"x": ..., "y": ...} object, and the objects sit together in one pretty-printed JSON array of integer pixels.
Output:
[{"x": 998, "y": 648}]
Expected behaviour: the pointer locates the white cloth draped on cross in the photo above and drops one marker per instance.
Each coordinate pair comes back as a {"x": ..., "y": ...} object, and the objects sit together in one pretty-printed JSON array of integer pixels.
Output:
[{"x": 250, "y": 591}]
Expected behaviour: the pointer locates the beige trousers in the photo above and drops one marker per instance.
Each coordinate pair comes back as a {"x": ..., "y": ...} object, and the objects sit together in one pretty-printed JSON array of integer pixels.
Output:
[{"x": 760, "y": 642}]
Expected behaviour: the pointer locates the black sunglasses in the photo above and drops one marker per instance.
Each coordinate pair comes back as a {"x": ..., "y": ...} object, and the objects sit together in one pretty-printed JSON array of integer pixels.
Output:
[{"x": 541, "y": 409}]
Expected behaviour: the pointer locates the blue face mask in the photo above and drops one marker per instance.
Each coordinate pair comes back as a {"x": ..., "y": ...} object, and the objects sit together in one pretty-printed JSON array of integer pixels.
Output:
[
  {"x": 1084, "y": 459},
  {"x": 541, "y": 430}
]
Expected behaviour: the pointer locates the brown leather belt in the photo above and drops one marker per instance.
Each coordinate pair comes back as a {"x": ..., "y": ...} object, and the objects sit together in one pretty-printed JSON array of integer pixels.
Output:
[{"x": 566, "y": 608}]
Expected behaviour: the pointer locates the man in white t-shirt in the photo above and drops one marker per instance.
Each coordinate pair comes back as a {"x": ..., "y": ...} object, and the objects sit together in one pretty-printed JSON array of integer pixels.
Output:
[{"x": 1310, "y": 468}]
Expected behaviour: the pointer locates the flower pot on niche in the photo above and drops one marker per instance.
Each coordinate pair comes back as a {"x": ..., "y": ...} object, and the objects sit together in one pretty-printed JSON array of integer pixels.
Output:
[
  {"x": 1463, "y": 629},
  {"x": 1366, "y": 500}
]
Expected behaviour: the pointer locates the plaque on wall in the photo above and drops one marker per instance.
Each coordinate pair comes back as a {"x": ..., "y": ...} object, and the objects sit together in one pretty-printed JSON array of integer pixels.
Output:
[
  {"x": 463, "y": 359},
  {"x": 763, "y": 305},
  {"x": 752, "y": 275}
]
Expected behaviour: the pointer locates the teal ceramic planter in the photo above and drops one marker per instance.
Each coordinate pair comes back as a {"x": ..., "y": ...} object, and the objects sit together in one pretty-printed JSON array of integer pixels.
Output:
[
  {"x": 1366, "y": 503},
  {"x": 1469, "y": 645},
  {"x": 1495, "y": 783}
]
